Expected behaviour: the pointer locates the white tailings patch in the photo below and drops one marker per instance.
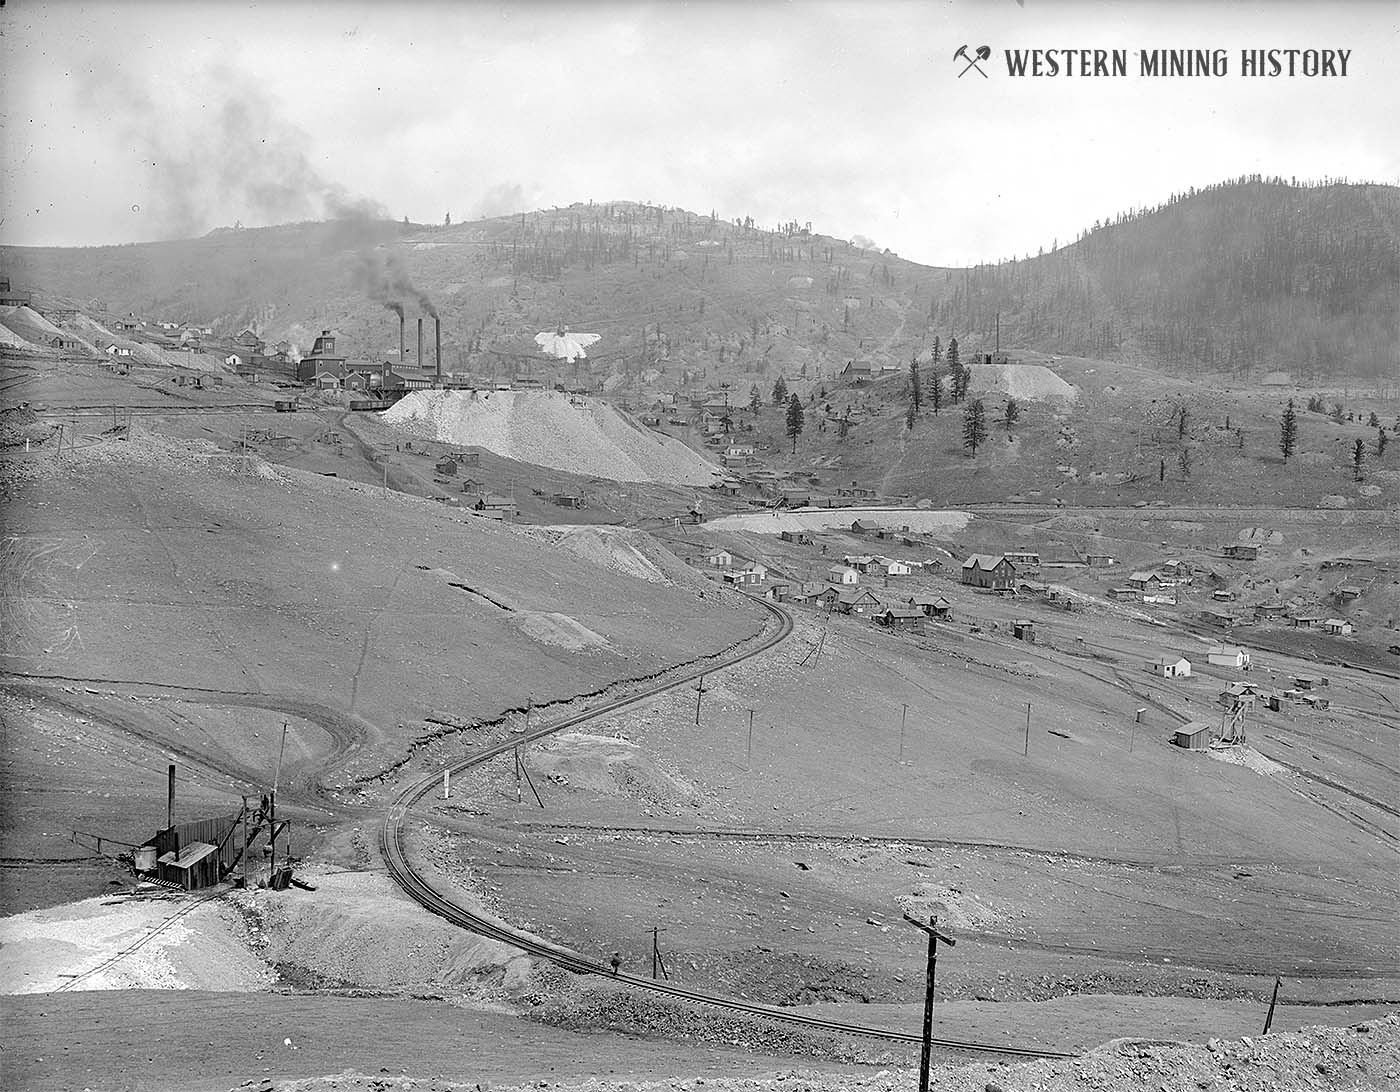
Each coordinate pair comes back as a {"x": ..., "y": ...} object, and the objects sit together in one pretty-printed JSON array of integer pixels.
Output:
[
  {"x": 564, "y": 432},
  {"x": 1027, "y": 382}
]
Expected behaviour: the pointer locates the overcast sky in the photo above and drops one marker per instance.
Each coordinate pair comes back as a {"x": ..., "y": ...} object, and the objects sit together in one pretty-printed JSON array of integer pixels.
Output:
[{"x": 133, "y": 121}]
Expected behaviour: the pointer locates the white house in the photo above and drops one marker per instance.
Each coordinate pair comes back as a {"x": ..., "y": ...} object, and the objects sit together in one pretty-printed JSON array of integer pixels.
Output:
[
  {"x": 1339, "y": 626},
  {"x": 1228, "y": 656},
  {"x": 894, "y": 567},
  {"x": 233, "y": 360},
  {"x": 721, "y": 559},
  {"x": 842, "y": 574},
  {"x": 118, "y": 350},
  {"x": 1170, "y": 667}
]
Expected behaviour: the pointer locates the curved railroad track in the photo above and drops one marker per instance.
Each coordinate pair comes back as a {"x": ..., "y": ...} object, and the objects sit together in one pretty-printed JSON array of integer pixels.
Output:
[{"x": 392, "y": 845}]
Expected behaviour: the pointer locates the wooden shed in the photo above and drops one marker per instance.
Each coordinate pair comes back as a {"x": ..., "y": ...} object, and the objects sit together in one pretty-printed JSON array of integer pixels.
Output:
[
  {"x": 196, "y": 866},
  {"x": 1194, "y": 736}
]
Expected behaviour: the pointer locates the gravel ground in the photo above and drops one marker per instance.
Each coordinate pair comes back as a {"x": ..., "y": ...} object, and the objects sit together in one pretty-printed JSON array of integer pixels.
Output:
[
  {"x": 201, "y": 949},
  {"x": 1366, "y": 1056}
]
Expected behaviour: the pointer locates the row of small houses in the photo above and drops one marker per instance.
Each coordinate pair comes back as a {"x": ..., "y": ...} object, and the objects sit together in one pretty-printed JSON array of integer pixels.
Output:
[
  {"x": 1337, "y": 627},
  {"x": 842, "y": 595},
  {"x": 1179, "y": 667}
]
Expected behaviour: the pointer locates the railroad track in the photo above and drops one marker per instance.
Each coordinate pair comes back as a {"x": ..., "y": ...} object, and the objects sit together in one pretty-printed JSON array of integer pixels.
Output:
[
  {"x": 392, "y": 845},
  {"x": 106, "y": 410}
]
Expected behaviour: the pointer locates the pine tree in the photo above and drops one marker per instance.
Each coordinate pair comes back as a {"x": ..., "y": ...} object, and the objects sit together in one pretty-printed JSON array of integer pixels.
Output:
[
  {"x": 796, "y": 420},
  {"x": 935, "y": 389},
  {"x": 1381, "y": 440},
  {"x": 916, "y": 396},
  {"x": 1358, "y": 458},
  {"x": 937, "y": 352},
  {"x": 755, "y": 400},
  {"x": 974, "y": 425},
  {"x": 1373, "y": 421},
  {"x": 780, "y": 391},
  {"x": 1288, "y": 431},
  {"x": 1013, "y": 413},
  {"x": 955, "y": 370}
]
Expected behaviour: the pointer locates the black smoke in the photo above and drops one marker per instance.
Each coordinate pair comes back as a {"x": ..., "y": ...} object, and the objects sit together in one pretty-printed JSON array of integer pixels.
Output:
[{"x": 382, "y": 277}]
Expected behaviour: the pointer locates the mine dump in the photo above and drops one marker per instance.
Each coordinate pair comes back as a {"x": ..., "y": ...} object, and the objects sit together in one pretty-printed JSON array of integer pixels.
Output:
[{"x": 626, "y": 647}]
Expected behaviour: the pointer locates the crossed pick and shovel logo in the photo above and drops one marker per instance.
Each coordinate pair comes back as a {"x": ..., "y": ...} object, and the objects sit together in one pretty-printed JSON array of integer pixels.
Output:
[{"x": 983, "y": 52}]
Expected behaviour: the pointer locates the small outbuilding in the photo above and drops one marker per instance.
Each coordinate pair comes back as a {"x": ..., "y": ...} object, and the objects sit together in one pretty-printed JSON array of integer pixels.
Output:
[
  {"x": 899, "y": 618},
  {"x": 1228, "y": 656},
  {"x": 196, "y": 866},
  {"x": 1242, "y": 551},
  {"x": 1194, "y": 735},
  {"x": 1170, "y": 667}
]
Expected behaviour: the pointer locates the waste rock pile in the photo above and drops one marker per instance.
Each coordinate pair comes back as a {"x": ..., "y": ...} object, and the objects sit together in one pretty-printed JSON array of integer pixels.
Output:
[{"x": 564, "y": 432}]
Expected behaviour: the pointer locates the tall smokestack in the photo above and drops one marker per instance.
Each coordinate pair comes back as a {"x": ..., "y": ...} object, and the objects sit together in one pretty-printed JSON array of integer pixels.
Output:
[
  {"x": 419, "y": 361},
  {"x": 437, "y": 344},
  {"x": 170, "y": 798},
  {"x": 400, "y": 339}
]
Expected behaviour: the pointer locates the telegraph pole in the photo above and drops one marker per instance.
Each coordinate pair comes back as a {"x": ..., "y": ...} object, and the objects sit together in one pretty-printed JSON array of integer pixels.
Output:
[
  {"x": 1269, "y": 1020},
  {"x": 934, "y": 936},
  {"x": 749, "y": 755},
  {"x": 1027, "y": 751},
  {"x": 272, "y": 812},
  {"x": 902, "y": 717},
  {"x": 657, "y": 963},
  {"x": 699, "y": 693}
]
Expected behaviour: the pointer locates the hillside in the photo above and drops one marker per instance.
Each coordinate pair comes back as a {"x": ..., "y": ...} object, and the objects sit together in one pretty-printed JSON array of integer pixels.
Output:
[
  {"x": 1244, "y": 277},
  {"x": 1247, "y": 277}
]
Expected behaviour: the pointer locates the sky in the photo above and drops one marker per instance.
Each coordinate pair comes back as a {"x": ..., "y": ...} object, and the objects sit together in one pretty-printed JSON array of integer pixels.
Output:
[{"x": 150, "y": 119}]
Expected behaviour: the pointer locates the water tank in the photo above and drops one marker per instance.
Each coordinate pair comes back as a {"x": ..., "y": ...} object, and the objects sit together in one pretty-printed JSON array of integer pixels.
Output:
[{"x": 145, "y": 858}]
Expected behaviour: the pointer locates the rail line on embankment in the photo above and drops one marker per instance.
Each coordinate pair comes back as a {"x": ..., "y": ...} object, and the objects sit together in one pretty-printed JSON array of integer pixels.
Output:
[{"x": 392, "y": 845}]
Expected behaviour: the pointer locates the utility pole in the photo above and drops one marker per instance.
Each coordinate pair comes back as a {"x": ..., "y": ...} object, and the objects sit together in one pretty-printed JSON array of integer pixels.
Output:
[
  {"x": 902, "y": 717},
  {"x": 934, "y": 936},
  {"x": 272, "y": 811},
  {"x": 699, "y": 693},
  {"x": 1269, "y": 1020},
  {"x": 657, "y": 963},
  {"x": 1027, "y": 751},
  {"x": 749, "y": 754},
  {"x": 243, "y": 815}
]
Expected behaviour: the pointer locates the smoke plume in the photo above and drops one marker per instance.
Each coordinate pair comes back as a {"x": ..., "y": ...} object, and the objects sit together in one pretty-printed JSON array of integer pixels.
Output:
[
  {"x": 218, "y": 152},
  {"x": 503, "y": 199},
  {"x": 383, "y": 279}
]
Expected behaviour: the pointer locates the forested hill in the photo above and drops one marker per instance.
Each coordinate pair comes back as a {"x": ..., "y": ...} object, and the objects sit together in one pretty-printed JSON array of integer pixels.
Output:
[{"x": 1246, "y": 276}]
